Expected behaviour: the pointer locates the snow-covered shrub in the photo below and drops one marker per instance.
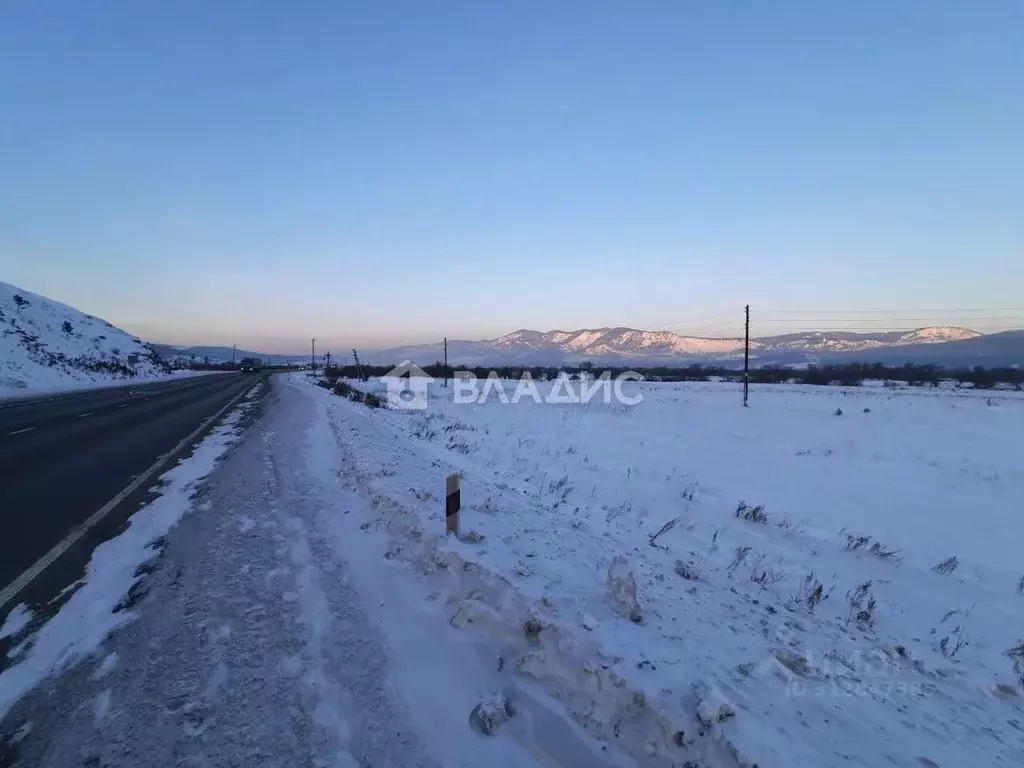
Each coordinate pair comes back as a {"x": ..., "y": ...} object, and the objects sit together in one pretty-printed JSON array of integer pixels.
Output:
[
  {"x": 882, "y": 552},
  {"x": 373, "y": 400},
  {"x": 764, "y": 576},
  {"x": 860, "y": 543},
  {"x": 856, "y": 542},
  {"x": 663, "y": 530},
  {"x": 562, "y": 487},
  {"x": 687, "y": 571},
  {"x": 811, "y": 592},
  {"x": 739, "y": 556},
  {"x": 951, "y": 645},
  {"x": 862, "y": 604},
  {"x": 754, "y": 514},
  {"x": 1017, "y": 654}
]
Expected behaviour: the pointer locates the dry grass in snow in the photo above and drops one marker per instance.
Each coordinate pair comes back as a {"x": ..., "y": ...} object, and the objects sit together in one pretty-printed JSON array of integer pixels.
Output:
[{"x": 691, "y": 562}]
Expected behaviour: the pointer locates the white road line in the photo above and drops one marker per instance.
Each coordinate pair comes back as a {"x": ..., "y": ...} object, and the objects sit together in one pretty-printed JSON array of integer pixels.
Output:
[
  {"x": 27, "y": 401},
  {"x": 123, "y": 406},
  {"x": 83, "y": 415},
  {"x": 11, "y": 590},
  {"x": 21, "y": 431}
]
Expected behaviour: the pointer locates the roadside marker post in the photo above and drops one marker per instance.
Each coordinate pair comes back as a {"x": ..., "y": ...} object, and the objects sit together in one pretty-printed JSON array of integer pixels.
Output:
[{"x": 453, "y": 500}]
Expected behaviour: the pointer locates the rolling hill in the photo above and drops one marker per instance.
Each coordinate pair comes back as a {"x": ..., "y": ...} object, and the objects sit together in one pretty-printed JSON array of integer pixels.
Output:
[{"x": 48, "y": 346}]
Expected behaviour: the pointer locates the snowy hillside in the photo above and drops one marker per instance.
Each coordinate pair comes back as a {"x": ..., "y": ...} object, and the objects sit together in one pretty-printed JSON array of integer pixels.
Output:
[
  {"x": 846, "y": 341},
  {"x": 49, "y": 346}
]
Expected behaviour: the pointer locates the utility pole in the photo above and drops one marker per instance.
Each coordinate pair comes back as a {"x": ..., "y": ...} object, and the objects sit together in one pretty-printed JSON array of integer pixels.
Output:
[
  {"x": 234, "y": 348},
  {"x": 746, "y": 355},
  {"x": 359, "y": 368},
  {"x": 328, "y": 361},
  {"x": 312, "y": 355},
  {"x": 446, "y": 361}
]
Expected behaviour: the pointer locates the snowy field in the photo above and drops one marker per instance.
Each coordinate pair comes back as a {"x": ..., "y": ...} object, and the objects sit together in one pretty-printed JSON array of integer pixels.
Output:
[{"x": 831, "y": 628}]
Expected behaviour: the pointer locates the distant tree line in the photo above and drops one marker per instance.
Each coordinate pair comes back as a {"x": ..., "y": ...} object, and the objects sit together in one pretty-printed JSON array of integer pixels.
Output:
[
  {"x": 854, "y": 374},
  {"x": 849, "y": 374}
]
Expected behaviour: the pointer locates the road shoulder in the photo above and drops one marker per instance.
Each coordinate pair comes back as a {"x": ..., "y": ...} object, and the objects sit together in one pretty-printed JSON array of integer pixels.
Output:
[{"x": 94, "y": 587}]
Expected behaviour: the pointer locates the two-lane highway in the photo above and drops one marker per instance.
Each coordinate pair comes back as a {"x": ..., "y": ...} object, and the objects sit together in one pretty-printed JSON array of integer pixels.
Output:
[{"x": 63, "y": 458}]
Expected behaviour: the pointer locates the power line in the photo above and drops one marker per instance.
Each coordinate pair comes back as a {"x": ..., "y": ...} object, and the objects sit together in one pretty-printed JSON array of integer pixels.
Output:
[
  {"x": 883, "y": 311},
  {"x": 696, "y": 327},
  {"x": 899, "y": 320},
  {"x": 776, "y": 330},
  {"x": 691, "y": 330},
  {"x": 702, "y": 318},
  {"x": 711, "y": 325},
  {"x": 728, "y": 326}
]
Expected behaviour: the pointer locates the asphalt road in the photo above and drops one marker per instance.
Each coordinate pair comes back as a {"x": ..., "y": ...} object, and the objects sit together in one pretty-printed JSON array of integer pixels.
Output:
[{"x": 63, "y": 458}]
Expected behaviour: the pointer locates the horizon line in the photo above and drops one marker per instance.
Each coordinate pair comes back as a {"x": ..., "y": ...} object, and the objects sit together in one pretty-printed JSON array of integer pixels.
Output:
[{"x": 246, "y": 346}]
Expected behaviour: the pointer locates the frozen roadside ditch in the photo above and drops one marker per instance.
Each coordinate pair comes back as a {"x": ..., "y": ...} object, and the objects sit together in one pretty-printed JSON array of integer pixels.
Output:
[
  {"x": 101, "y": 601},
  {"x": 753, "y": 642}
]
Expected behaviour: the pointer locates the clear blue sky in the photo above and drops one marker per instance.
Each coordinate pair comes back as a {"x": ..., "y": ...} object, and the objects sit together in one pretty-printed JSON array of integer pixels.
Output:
[{"x": 384, "y": 172}]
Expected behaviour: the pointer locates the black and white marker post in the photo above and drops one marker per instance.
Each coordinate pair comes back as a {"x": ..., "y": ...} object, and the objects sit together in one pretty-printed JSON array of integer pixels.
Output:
[{"x": 453, "y": 500}]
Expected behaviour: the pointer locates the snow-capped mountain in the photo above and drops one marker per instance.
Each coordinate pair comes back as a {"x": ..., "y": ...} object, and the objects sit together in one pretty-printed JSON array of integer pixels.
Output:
[
  {"x": 46, "y": 345},
  {"x": 936, "y": 334},
  {"x": 847, "y": 341},
  {"x": 617, "y": 341},
  {"x": 631, "y": 346}
]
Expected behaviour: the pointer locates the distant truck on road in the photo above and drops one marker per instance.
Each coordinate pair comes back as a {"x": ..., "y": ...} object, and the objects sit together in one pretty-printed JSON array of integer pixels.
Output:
[{"x": 250, "y": 365}]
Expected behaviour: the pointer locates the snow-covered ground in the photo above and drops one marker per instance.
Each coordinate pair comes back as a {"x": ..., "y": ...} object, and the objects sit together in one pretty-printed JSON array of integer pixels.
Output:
[
  {"x": 824, "y": 632},
  {"x": 310, "y": 609},
  {"x": 47, "y": 346}
]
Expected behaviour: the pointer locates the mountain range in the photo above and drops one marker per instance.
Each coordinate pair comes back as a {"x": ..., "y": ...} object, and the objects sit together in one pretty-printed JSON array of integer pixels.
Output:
[
  {"x": 939, "y": 345},
  {"x": 47, "y": 344}
]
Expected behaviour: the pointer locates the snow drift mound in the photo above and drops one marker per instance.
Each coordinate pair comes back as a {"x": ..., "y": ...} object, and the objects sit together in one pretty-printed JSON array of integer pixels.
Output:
[{"x": 46, "y": 345}]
